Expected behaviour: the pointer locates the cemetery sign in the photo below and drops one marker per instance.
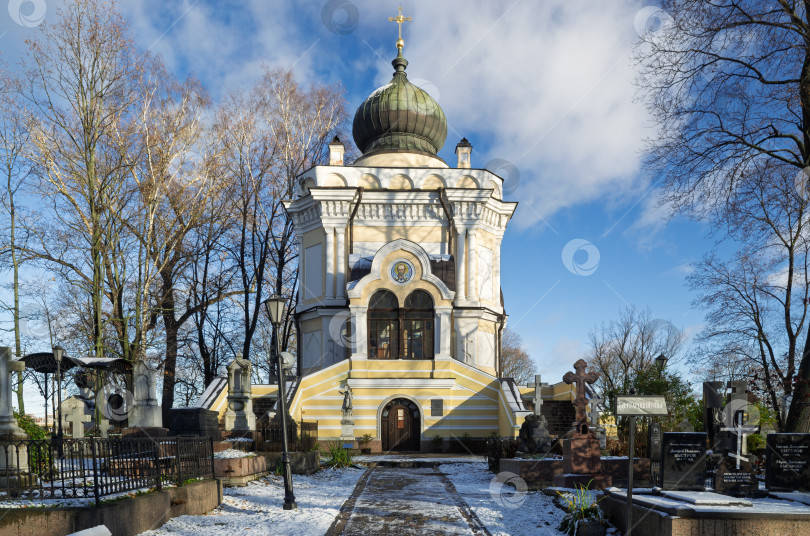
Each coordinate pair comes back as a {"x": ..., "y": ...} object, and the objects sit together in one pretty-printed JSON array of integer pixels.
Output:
[{"x": 640, "y": 406}]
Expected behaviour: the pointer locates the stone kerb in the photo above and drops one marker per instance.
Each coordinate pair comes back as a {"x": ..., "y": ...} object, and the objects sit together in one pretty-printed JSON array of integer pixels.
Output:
[
  {"x": 126, "y": 517},
  {"x": 240, "y": 471}
]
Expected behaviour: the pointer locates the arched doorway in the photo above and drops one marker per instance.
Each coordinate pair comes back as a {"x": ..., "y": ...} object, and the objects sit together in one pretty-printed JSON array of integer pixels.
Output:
[{"x": 399, "y": 424}]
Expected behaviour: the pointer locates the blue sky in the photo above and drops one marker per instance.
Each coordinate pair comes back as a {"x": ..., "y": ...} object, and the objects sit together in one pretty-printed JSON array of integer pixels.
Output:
[{"x": 545, "y": 87}]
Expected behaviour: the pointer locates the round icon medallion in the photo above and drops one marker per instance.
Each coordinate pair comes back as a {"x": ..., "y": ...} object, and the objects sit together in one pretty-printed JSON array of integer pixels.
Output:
[{"x": 401, "y": 271}]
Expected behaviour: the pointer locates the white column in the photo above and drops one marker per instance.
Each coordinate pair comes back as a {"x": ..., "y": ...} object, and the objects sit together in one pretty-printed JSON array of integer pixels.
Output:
[
  {"x": 461, "y": 263},
  {"x": 443, "y": 332},
  {"x": 302, "y": 269},
  {"x": 330, "y": 263},
  {"x": 359, "y": 325},
  {"x": 472, "y": 266},
  {"x": 496, "y": 271},
  {"x": 340, "y": 290}
]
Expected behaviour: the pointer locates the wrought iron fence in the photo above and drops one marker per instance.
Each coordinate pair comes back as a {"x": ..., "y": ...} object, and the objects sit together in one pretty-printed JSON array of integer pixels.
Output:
[
  {"x": 302, "y": 436},
  {"x": 95, "y": 468}
]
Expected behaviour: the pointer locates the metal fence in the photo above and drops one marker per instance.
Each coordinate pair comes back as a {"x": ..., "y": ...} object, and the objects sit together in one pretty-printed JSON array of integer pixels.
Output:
[
  {"x": 95, "y": 468},
  {"x": 302, "y": 436}
]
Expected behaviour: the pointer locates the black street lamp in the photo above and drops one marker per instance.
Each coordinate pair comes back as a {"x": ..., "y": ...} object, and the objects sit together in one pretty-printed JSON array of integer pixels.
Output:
[
  {"x": 275, "y": 310},
  {"x": 58, "y": 354},
  {"x": 660, "y": 364}
]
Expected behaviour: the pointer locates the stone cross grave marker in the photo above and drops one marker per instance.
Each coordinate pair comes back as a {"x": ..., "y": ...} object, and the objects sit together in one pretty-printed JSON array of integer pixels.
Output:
[
  {"x": 104, "y": 427},
  {"x": 582, "y": 461},
  {"x": 75, "y": 413},
  {"x": 538, "y": 398},
  {"x": 580, "y": 379}
]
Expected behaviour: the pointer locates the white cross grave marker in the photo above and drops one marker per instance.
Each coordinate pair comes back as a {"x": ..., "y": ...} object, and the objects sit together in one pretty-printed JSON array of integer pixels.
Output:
[{"x": 538, "y": 397}]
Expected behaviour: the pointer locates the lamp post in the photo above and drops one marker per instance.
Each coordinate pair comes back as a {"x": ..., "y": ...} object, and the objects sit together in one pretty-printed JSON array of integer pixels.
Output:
[
  {"x": 631, "y": 469},
  {"x": 58, "y": 354},
  {"x": 275, "y": 310},
  {"x": 661, "y": 363}
]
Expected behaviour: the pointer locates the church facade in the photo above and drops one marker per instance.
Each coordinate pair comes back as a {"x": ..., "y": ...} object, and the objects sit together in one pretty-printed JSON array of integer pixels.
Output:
[
  {"x": 399, "y": 309},
  {"x": 400, "y": 298}
]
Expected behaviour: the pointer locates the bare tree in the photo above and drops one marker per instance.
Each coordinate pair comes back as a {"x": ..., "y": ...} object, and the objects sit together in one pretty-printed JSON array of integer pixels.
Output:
[
  {"x": 728, "y": 83},
  {"x": 183, "y": 204},
  {"x": 302, "y": 122},
  {"x": 623, "y": 348},
  {"x": 83, "y": 78},
  {"x": 16, "y": 168},
  {"x": 757, "y": 301},
  {"x": 515, "y": 361},
  {"x": 271, "y": 136}
]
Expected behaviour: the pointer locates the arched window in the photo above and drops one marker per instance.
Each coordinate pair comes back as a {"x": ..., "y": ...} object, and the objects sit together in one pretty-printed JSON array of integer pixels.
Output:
[
  {"x": 417, "y": 328},
  {"x": 383, "y": 326},
  {"x": 400, "y": 333}
]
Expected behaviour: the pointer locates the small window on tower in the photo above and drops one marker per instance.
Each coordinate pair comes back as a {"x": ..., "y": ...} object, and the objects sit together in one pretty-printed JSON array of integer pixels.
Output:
[{"x": 437, "y": 407}]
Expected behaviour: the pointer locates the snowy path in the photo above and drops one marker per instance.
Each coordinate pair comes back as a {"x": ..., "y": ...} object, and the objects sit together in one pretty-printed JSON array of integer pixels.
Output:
[
  {"x": 503, "y": 511},
  {"x": 394, "y": 501},
  {"x": 255, "y": 510},
  {"x": 453, "y": 499}
]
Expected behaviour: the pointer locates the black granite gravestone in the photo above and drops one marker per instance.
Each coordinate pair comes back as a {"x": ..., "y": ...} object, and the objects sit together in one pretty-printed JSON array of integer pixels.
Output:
[
  {"x": 683, "y": 461},
  {"x": 717, "y": 417},
  {"x": 194, "y": 422},
  {"x": 787, "y": 462},
  {"x": 737, "y": 479}
]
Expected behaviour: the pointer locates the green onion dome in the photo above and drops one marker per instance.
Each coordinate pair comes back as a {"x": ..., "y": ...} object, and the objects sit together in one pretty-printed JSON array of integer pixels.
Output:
[{"x": 399, "y": 117}]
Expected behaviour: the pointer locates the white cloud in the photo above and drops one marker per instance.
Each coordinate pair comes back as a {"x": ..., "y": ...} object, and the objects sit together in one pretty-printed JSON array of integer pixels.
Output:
[
  {"x": 681, "y": 270},
  {"x": 653, "y": 216},
  {"x": 545, "y": 85},
  {"x": 225, "y": 46},
  {"x": 551, "y": 82}
]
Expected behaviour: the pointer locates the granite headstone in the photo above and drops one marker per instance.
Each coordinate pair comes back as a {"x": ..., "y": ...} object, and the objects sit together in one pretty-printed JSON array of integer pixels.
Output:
[
  {"x": 683, "y": 461},
  {"x": 194, "y": 422},
  {"x": 735, "y": 477},
  {"x": 787, "y": 462}
]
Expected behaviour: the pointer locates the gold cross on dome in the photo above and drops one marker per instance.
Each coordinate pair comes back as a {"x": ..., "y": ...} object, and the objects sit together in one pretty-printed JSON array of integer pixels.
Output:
[{"x": 399, "y": 19}]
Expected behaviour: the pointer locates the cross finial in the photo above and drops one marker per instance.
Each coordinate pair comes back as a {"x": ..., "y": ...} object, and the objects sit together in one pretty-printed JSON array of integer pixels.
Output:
[{"x": 399, "y": 19}]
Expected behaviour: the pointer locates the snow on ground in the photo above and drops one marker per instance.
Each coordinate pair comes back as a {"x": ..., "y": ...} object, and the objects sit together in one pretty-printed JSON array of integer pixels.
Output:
[
  {"x": 257, "y": 507},
  {"x": 499, "y": 507},
  {"x": 69, "y": 502},
  {"x": 366, "y": 458},
  {"x": 233, "y": 453}
]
